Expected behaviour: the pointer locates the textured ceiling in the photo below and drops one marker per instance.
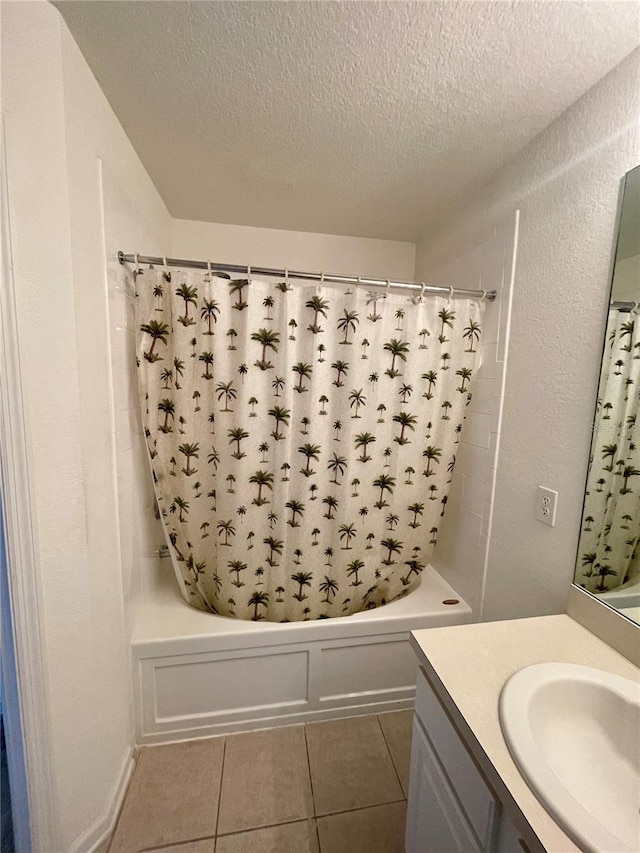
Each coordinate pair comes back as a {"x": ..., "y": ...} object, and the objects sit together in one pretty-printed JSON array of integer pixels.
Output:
[{"x": 359, "y": 118}]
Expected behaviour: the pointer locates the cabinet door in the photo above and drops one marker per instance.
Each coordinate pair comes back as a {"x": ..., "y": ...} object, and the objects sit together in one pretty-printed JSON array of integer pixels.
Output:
[
  {"x": 435, "y": 821},
  {"x": 479, "y": 803},
  {"x": 509, "y": 840}
]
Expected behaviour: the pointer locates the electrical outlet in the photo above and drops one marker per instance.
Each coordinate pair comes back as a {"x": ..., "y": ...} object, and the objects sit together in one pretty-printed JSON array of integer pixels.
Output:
[{"x": 546, "y": 504}]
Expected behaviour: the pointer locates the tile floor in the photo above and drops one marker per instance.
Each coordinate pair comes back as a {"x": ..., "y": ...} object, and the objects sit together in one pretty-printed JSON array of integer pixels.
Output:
[{"x": 332, "y": 787}]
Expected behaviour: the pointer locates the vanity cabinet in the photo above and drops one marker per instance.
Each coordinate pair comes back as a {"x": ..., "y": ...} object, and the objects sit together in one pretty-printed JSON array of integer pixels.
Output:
[{"x": 451, "y": 807}]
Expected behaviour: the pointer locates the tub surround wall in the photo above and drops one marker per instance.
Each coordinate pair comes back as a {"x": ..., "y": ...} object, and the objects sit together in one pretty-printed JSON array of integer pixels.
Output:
[
  {"x": 462, "y": 549},
  {"x": 461, "y": 555},
  {"x": 140, "y": 532},
  {"x": 566, "y": 185},
  {"x": 59, "y": 129}
]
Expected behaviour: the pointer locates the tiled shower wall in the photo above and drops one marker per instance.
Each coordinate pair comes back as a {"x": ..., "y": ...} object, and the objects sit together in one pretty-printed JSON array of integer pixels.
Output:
[
  {"x": 462, "y": 550},
  {"x": 140, "y": 532}
]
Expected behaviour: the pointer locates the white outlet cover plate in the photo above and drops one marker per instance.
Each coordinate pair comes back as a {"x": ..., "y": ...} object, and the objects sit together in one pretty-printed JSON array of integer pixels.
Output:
[{"x": 546, "y": 505}]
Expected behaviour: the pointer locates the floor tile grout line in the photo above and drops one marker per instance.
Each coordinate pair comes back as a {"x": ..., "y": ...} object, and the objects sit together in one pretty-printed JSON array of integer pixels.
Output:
[
  {"x": 304, "y": 762},
  {"x": 386, "y": 751},
  {"x": 171, "y": 844},
  {"x": 314, "y": 817},
  {"x": 250, "y": 829},
  {"x": 393, "y": 763},
  {"x": 290, "y": 822},
  {"x": 224, "y": 755},
  {"x": 402, "y": 799},
  {"x": 306, "y": 749},
  {"x": 284, "y": 823},
  {"x": 265, "y": 826},
  {"x": 135, "y": 758}
]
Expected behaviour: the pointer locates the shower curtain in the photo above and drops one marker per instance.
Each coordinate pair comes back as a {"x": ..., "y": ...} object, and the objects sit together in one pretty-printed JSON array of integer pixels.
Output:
[
  {"x": 609, "y": 550},
  {"x": 302, "y": 438}
]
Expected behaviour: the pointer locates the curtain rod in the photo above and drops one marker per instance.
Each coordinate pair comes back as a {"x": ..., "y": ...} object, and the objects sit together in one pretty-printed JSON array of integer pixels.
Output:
[{"x": 333, "y": 278}]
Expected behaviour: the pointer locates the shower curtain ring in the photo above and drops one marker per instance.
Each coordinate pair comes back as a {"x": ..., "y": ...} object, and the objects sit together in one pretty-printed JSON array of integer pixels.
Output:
[
  {"x": 484, "y": 294},
  {"x": 349, "y": 289},
  {"x": 387, "y": 288},
  {"x": 450, "y": 293},
  {"x": 286, "y": 277},
  {"x": 417, "y": 298},
  {"x": 248, "y": 271},
  {"x": 136, "y": 261}
]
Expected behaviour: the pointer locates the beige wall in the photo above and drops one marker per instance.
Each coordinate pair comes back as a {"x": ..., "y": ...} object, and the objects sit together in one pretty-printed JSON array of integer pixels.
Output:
[
  {"x": 59, "y": 132},
  {"x": 271, "y": 247},
  {"x": 566, "y": 184}
]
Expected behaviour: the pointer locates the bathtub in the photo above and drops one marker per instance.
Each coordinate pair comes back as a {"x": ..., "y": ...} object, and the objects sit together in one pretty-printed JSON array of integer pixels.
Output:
[
  {"x": 625, "y": 598},
  {"x": 197, "y": 674}
]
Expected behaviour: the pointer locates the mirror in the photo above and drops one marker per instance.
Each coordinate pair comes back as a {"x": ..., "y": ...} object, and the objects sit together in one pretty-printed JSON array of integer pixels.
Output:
[{"x": 608, "y": 560}]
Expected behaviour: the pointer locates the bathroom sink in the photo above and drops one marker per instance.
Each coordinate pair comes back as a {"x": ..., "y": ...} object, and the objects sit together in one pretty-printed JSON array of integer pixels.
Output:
[{"x": 574, "y": 733}]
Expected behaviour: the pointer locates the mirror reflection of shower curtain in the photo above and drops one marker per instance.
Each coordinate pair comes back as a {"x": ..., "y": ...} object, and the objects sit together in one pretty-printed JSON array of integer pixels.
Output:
[
  {"x": 609, "y": 550},
  {"x": 302, "y": 439}
]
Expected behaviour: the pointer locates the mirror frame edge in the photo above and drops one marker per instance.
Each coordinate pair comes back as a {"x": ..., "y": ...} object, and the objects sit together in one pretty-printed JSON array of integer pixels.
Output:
[{"x": 575, "y": 587}]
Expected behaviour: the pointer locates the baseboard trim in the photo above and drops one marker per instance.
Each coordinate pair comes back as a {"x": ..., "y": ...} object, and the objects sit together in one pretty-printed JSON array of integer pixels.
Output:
[
  {"x": 228, "y": 727},
  {"x": 96, "y": 838}
]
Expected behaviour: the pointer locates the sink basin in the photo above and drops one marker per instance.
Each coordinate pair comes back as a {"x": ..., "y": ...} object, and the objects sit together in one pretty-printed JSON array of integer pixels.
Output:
[{"x": 574, "y": 733}]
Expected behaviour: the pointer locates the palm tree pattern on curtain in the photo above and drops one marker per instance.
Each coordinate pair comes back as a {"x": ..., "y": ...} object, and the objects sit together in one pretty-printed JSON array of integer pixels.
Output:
[
  {"x": 609, "y": 550},
  {"x": 302, "y": 440}
]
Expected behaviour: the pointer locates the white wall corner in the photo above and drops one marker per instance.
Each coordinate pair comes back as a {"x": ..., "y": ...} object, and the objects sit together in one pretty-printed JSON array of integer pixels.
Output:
[
  {"x": 96, "y": 838},
  {"x": 22, "y": 570},
  {"x": 461, "y": 554}
]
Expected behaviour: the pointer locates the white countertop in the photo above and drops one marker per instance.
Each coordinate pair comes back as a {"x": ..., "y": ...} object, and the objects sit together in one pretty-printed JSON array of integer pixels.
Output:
[{"x": 469, "y": 664}]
